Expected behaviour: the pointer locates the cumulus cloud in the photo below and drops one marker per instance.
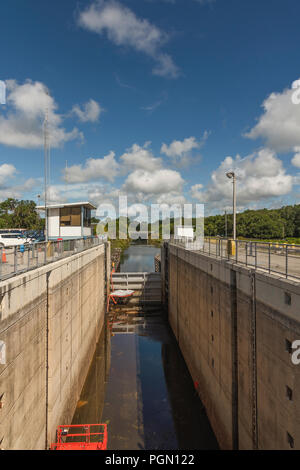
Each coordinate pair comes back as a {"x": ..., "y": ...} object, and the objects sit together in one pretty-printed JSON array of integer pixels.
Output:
[
  {"x": 55, "y": 195},
  {"x": 7, "y": 173},
  {"x": 92, "y": 191},
  {"x": 124, "y": 28},
  {"x": 137, "y": 157},
  {"x": 259, "y": 176},
  {"x": 170, "y": 198},
  {"x": 179, "y": 148},
  {"x": 279, "y": 125},
  {"x": 153, "y": 183},
  {"x": 94, "y": 168},
  {"x": 90, "y": 112},
  {"x": 196, "y": 191},
  {"x": 296, "y": 158},
  {"x": 22, "y": 125},
  {"x": 149, "y": 180},
  {"x": 180, "y": 151}
]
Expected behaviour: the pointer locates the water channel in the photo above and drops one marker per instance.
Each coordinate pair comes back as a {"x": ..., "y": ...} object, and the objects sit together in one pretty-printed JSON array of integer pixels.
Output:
[{"x": 139, "y": 384}]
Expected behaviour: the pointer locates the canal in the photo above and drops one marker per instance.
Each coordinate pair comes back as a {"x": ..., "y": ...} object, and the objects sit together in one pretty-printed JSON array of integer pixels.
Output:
[{"x": 138, "y": 382}]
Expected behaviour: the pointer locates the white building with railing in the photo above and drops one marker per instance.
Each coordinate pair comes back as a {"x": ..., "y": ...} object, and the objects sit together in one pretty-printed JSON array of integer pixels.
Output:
[{"x": 69, "y": 221}]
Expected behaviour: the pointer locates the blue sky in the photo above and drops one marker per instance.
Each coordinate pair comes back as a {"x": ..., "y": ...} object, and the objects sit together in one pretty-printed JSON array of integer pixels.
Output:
[{"x": 155, "y": 99}]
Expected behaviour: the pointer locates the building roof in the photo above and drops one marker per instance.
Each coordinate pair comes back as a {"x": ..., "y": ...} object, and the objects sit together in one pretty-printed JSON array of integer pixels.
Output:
[{"x": 88, "y": 205}]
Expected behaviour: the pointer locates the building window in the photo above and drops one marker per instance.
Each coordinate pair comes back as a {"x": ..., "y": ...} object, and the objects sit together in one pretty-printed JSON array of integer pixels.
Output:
[
  {"x": 86, "y": 217},
  {"x": 70, "y": 217}
]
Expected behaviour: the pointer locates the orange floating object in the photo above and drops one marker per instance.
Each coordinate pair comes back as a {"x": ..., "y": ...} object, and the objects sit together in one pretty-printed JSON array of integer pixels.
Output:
[
  {"x": 81, "y": 437},
  {"x": 121, "y": 294}
]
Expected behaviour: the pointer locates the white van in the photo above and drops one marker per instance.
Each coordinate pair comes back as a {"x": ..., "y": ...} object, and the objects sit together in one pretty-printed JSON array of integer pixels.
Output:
[{"x": 13, "y": 239}]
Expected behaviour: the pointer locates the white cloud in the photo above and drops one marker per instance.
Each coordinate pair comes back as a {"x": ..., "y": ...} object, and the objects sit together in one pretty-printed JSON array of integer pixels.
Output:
[
  {"x": 94, "y": 168},
  {"x": 196, "y": 191},
  {"x": 180, "y": 151},
  {"x": 180, "y": 148},
  {"x": 149, "y": 181},
  {"x": 296, "y": 158},
  {"x": 23, "y": 124},
  {"x": 152, "y": 107},
  {"x": 142, "y": 158},
  {"x": 7, "y": 171},
  {"x": 124, "y": 28},
  {"x": 94, "y": 192},
  {"x": 170, "y": 198},
  {"x": 90, "y": 112},
  {"x": 259, "y": 176},
  {"x": 165, "y": 66},
  {"x": 153, "y": 183},
  {"x": 279, "y": 125}
]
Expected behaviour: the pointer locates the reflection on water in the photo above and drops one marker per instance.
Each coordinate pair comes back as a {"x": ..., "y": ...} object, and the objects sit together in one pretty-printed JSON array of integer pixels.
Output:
[
  {"x": 138, "y": 382},
  {"x": 150, "y": 401},
  {"x": 139, "y": 259},
  {"x": 90, "y": 406}
]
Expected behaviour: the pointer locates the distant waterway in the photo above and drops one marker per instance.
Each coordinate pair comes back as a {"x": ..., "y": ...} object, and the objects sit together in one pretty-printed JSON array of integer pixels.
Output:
[{"x": 139, "y": 258}]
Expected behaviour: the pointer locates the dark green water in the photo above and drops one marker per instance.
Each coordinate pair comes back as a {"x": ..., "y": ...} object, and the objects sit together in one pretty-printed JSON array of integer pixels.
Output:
[
  {"x": 138, "y": 259},
  {"x": 139, "y": 383}
]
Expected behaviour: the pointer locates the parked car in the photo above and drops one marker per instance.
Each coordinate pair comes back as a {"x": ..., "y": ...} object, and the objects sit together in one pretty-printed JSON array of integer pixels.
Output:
[
  {"x": 13, "y": 239},
  {"x": 35, "y": 235},
  {"x": 39, "y": 239}
]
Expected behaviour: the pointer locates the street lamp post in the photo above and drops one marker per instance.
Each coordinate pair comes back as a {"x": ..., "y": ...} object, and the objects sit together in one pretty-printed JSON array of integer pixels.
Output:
[
  {"x": 231, "y": 175},
  {"x": 46, "y": 171}
]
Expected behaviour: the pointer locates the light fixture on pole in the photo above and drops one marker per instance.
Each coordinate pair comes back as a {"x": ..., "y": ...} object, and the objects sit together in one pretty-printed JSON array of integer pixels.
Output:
[
  {"x": 231, "y": 175},
  {"x": 46, "y": 171}
]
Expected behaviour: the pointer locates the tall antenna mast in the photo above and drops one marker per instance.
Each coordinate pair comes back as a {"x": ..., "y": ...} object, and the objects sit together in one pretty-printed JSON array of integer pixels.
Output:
[{"x": 46, "y": 170}]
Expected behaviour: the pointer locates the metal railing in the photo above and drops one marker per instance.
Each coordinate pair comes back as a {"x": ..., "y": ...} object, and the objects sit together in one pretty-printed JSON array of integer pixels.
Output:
[
  {"x": 19, "y": 259},
  {"x": 147, "y": 286},
  {"x": 274, "y": 258}
]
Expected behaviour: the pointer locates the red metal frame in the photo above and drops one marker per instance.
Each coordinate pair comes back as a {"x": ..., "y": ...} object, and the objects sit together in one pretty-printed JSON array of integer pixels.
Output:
[
  {"x": 85, "y": 442},
  {"x": 112, "y": 296}
]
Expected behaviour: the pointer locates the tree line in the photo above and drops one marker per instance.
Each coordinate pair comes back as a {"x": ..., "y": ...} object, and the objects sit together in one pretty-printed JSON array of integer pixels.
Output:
[
  {"x": 20, "y": 214},
  {"x": 261, "y": 224}
]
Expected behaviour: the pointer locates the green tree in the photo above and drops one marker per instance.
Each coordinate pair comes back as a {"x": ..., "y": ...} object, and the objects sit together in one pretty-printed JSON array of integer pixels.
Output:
[{"x": 20, "y": 214}]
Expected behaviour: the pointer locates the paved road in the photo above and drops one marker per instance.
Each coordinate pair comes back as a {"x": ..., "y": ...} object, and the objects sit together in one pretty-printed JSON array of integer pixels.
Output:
[{"x": 275, "y": 262}]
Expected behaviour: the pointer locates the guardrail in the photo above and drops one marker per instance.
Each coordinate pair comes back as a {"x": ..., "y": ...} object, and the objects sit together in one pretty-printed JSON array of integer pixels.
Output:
[
  {"x": 17, "y": 260},
  {"x": 274, "y": 258}
]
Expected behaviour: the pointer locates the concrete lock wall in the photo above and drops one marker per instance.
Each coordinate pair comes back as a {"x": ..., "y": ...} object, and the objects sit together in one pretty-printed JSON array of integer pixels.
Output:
[
  {"x": 234, "y": 326},
  {"x": 50, "y": 321}
]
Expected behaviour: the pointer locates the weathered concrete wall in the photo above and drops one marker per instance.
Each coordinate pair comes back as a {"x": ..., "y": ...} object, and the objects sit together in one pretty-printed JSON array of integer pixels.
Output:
[
  {"x": 232, "y": 325},
  {"x": 50, "y": 320}
]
